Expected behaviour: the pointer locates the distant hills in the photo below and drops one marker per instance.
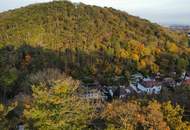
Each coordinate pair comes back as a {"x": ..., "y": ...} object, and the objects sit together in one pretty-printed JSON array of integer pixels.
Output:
[{"x": 184, "y": 28}]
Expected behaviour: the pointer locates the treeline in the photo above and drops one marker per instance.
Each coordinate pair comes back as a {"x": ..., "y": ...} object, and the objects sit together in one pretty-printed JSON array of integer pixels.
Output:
[{"x": 17, "y": 63}]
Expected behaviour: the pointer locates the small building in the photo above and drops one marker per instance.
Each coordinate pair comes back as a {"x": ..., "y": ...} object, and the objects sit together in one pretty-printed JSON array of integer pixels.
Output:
[
  {"x": 93, "y": 91},
  {"x": 94, "y": 95},
  {"x": 170, "y": 82},
  {"x": 186, "y": 81},
  {"x": 188, "y": 34},
  {"x": 97, "y": 92}
]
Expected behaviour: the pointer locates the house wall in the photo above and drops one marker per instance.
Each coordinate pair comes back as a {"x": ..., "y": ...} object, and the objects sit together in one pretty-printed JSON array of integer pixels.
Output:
[
  {"x": 134, "y": 88},
  {"x": 149, "y": 90},
  {"x": 186, "y": 82}
]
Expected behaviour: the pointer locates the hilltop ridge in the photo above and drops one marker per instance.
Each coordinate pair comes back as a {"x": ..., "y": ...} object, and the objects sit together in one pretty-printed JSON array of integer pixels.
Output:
[{"x": 62, "y": 20}]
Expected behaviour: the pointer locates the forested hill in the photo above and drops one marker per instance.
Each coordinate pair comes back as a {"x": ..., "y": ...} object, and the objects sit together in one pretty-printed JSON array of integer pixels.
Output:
[
  {"x": 57, "y": 24},
  {"x": 50, "y": 51},
  {"x": 91, "y": 41}
]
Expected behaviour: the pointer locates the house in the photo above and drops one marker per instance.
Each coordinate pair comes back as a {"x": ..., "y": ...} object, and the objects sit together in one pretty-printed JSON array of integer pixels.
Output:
[
  {"x": 188, "y": 34},
  {"x": 186, "y": 81},
  {"x": 183, "y": 80},
  {"x": 94, "y": 95},
  {"x": 93, "y": 91},
  {"x": 170, "y": 82},
  {"x": 147, "y": 85}
]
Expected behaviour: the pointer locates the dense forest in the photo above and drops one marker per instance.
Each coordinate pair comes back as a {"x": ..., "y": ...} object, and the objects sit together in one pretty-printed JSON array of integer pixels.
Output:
[{"x": 48, "y": 50}]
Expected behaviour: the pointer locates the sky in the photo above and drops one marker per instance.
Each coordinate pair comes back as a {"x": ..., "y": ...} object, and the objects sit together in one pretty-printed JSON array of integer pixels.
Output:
[{"x": 164, "y": 12}]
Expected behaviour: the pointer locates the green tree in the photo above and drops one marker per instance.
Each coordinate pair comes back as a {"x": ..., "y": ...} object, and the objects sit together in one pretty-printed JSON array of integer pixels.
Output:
[{"x": 8, "y": 79}]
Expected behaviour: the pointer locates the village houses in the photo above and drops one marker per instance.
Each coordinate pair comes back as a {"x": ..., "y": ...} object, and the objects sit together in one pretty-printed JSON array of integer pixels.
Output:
[{"x": 138, "y": 84}]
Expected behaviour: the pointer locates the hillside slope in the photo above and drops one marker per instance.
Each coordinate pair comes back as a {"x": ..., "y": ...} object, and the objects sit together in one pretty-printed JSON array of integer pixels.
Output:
[{"x": 85, "y": 40}]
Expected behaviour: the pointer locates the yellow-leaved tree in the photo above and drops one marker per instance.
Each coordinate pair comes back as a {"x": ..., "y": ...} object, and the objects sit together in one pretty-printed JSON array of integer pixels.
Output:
[
  {"x": 137, "y": 115},
  {"x": 173, "y": 116},
  {"x": 58, "y": 108},
  {"x": 173, "y": 48},
  {"x": 134, "y": 116}
]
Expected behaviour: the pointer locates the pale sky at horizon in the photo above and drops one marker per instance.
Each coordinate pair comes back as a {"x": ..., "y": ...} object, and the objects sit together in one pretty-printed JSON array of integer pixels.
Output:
[{"x": 159, "y": 11}]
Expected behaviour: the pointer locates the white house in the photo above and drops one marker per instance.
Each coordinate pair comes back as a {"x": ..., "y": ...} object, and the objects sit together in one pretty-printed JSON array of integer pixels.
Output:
[
  {"x": 139, "y": 88},
  {"x": 149, "y": 90},
  {"x": 148, "y": 86}
]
